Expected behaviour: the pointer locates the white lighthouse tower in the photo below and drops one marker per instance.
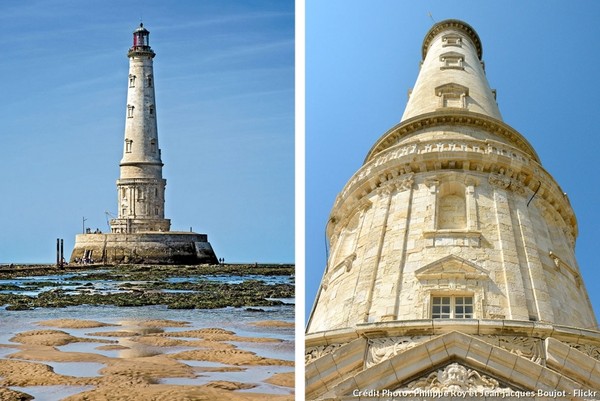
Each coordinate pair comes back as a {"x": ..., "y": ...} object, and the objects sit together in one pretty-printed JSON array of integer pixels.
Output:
[
  {"x": 140, "y": 233},
  {"x": 452, "y": 272},
  {"x": 141, "y": 188}
]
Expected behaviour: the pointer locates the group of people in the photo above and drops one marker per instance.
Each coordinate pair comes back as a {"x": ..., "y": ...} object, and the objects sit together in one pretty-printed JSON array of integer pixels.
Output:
[{"x": 84, "y": 261}]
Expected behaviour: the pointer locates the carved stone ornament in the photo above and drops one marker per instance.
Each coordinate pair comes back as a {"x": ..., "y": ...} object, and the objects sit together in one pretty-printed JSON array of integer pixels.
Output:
[
  {"x": 517, "y": 187},
  {"x": 313, "y": 353},
  {"x": 499, "y": 180},
  {"x": 399, "y": 184},
  {"x": 526, "y": 347},
  {"x": 588, "y": 349},
  {"x": 456, "y": 377},
  {"x": 381, "y": 349}
]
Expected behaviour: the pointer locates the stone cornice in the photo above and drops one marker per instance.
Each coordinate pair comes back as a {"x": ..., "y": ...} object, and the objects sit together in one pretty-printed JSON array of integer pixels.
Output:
[
  {"x": 469, "y": 326},
  {"x": 139, "y": 52},
  {"x": 494, "y": 159},
  {"x": 452, "y": 117},
  {"x": 452, "y": 24},
  {"x": 139, "y": 163}
]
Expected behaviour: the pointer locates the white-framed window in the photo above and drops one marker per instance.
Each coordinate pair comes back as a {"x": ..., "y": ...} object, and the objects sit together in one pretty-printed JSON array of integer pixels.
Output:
[
  {"x": 452, "y": 95},
  {"x": 452, "y": 60},
  {"x": 131, "y": 81},
  {"x": 452, "y": 40},
  {"x": 452, "y": 307},
  {"x": 128, "y": 143},
  {"x": 130, "y": 109}
]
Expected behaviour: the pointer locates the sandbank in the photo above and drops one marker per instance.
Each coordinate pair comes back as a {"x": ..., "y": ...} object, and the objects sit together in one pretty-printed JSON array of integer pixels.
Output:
[
  {"x": 142, "y": 363},
  {"x": 73, "y": 323}
]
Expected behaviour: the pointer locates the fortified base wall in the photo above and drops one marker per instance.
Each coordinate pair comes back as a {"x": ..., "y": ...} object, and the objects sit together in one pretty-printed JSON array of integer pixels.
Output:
[{"x": 144, "y": 248}]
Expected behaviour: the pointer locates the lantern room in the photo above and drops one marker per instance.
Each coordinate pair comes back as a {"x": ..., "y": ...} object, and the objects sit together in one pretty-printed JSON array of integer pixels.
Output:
[{"x": 141, "y": 37}]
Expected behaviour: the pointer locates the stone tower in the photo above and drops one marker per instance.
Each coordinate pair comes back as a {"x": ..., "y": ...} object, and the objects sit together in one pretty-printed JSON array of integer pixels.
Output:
[
  {"x": 140, "y": 233},
  {"x": 141, "y": 188},
  {"x": 452, "y": 263}
]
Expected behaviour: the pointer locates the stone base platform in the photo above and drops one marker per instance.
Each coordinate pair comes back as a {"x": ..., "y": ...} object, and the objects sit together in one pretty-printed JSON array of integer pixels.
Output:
[{"x": 144, "y": 248}]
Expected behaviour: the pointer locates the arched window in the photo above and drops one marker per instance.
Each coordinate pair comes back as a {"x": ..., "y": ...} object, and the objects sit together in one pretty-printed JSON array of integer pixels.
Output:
[
  {"x": 349, "y": 237},
  {"x": 452, "y": 207}
]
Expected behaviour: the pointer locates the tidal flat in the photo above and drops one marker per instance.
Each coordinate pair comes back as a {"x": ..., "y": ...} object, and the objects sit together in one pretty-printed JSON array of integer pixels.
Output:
[
  {"x": 177, "y": 287},
  {"x": 147, "y": 332}
]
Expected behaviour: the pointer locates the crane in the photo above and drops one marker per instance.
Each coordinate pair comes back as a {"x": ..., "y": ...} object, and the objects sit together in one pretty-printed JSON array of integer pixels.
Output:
[{"x": 109, "y": 216}]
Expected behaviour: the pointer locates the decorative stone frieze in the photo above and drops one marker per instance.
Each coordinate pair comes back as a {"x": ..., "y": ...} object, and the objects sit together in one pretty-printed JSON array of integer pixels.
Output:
[
  {"x": 312, "y": 353},
  {"x": 588, "y": 349},
  {"x": 527, "y": 347},
  {"x": 499, "y": 180},
  {"x": 384, "y": 348},
  {"x": 449, "y": 117},
  {"x": 456, "y": 377}
]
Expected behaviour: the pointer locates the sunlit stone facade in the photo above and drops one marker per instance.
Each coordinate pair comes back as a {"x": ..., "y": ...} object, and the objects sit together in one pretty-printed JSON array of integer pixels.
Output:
[{"x": 451, "y": 253}]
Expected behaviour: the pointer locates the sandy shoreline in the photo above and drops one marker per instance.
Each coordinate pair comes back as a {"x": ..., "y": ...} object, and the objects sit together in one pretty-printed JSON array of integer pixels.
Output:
[{"x": 143, "y": 364}]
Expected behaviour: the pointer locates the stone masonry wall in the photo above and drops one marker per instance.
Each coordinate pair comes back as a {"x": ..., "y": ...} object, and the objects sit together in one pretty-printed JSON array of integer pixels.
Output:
[{"x": 516, "y": 259}]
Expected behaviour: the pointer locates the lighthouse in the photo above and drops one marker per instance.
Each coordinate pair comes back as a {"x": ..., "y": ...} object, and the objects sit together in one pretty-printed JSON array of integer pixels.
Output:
[
  {"x": 452, "y": 270},
  {"x": 141, "y": 234},
  {"x": 141, "y": 187}
]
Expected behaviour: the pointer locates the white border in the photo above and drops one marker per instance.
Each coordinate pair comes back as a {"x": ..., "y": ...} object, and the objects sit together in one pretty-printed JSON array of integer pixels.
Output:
[{"x": 299, "y": 194}]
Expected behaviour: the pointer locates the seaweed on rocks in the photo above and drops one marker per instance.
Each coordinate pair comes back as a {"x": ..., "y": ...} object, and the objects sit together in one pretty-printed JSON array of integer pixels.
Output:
[{"x": 147, "y": 286}]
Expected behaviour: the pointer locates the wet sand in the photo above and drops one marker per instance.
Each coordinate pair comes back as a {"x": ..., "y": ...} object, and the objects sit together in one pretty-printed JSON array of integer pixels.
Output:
[{"x": 143, "y": 361}]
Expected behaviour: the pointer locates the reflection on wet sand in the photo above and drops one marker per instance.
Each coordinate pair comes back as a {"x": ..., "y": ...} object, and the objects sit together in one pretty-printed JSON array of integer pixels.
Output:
[{"x": 145, "y": 359}]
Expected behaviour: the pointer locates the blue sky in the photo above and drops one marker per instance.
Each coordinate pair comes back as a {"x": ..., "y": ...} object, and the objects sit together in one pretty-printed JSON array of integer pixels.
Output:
[
  {"x": 363, "y": 56},
  {"x": 224, "y": 76}
]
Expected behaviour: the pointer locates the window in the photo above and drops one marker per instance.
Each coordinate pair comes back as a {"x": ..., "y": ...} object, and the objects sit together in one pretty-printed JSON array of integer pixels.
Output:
[
  {"x": 452, "y": 60},
  {"x": 452, "y": 40},
  {"x": 128, "y": 143},
  {"x": 452, "y": 95},
  {"x": 151, "y": 110},
  {"x": 131, "y": 81},
  {"x": 452, "y": 207},
  {"x": 130, "y": 111},
  {"x": 452, "y": 307},
  {"x": 153, "y": 146},
  {"x": 149, "y": 80}
]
